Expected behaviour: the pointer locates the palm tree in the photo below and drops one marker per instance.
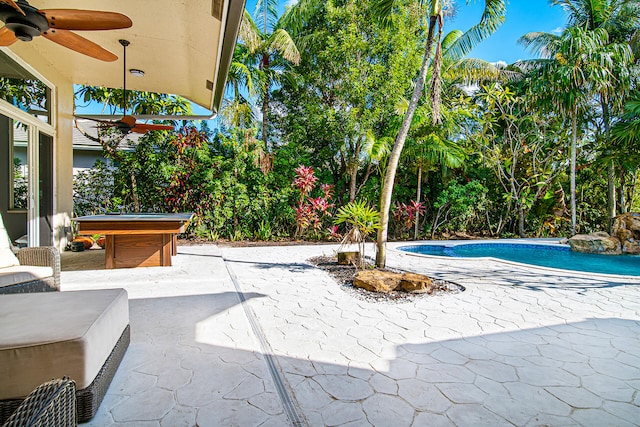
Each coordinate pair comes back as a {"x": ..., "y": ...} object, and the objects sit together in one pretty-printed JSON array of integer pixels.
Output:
[
  {"x": 575, "y": 66},
  {"x": 492, "y": 17},
  {"x": 272, "y": 49},
  {"x": 621, "y": 19},
  {"x": 237, "y": 111}
]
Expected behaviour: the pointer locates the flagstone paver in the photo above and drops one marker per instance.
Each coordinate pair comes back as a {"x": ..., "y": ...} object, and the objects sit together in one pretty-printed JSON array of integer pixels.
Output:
[{"x": 518, "y": 347}]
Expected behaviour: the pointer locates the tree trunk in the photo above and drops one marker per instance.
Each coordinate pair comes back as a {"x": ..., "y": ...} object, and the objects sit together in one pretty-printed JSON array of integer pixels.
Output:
[
  {"x": 134, "y": 192},
  {"x": 353, "y": 178},
  {"x": 623, "y": 201},
  {"x": 611, "y": 171},
  {"x": 418, "y": 196},
  {"x": 265, "y": 120},
  {"x": 574, "y": 139},
  {"x": 611, "y": 194},
  {"x": 521, "y": 220},
  {"x": 394, "y": 158}
]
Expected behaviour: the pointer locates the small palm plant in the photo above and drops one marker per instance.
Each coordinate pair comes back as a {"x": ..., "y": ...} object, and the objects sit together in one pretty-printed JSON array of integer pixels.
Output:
[{"x": 363, "y": 221}]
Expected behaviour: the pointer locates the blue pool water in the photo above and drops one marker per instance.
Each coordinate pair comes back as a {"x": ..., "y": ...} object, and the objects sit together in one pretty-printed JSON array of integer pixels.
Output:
[{"x": 542, "y": 255}]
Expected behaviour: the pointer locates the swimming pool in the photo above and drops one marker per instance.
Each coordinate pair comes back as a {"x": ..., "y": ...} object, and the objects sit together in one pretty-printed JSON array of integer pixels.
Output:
[{"x": 554, "y": 256}]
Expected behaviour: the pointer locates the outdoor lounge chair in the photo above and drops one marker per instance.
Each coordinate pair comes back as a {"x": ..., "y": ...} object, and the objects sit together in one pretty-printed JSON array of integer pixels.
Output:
[
  {"x": 82, "y": 335},
  {"x": 52, "y": 404},
  {"x": 32, "y": 270}
]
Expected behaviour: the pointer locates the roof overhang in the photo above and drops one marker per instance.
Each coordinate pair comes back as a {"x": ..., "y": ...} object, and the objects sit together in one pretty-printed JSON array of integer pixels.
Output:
[{"x": 183, "y": 47}]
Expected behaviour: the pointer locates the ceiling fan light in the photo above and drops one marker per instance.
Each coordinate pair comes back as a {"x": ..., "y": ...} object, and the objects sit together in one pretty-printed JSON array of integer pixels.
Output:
[{"x": 136, "y": 72}]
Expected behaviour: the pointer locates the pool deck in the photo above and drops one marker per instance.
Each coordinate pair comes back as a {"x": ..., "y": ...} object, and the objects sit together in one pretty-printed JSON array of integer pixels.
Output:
[{"x": 259, "y": 337}]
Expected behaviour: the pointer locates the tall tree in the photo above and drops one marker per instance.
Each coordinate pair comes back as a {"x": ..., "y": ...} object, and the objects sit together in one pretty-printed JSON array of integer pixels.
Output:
[
  {"x": 576, "y": 66},
  {"x": 273, "y": 50},
  {"x": 621, "y": 19},
  {"x": 237, "y": 111},
  {"x": 352, "y": 75},
  {"x": 492, "y": 17}
]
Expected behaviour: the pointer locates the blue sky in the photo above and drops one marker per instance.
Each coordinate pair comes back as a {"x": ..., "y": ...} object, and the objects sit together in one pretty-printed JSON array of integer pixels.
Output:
[{"x": 522, "y": 17}]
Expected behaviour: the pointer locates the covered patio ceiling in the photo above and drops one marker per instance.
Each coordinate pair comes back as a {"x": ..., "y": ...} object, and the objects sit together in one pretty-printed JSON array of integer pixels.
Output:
[{"x": 183, "y": 47}]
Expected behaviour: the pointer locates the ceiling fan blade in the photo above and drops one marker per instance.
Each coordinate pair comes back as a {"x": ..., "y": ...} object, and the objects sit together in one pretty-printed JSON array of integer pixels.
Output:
[
  {"x": 79, "y": 44},
  {"x": 7, "y": 38},
  {"x": 85, "y": 20},
  {"x": 144, "y": 127},
  {"x": 13, "y": 5},
  {"x": 128, "y": 120}
]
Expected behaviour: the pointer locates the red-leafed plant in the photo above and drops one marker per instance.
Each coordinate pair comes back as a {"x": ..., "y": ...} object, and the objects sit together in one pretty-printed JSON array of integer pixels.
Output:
[
  {"x": 406, "y": 214},
  {"x": 311, "y": 211}
]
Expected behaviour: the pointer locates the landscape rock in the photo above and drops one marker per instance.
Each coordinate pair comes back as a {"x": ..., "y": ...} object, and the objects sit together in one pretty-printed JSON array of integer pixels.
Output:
[
  {"x": 626, "y": 228},
  {"x": 595, "y": 244},
  {"x": 386, "y": 281},
  {"x": 631, "y": 247},
  {"x": 377, "y": 281},
  {"x": 417, "y": 283}
]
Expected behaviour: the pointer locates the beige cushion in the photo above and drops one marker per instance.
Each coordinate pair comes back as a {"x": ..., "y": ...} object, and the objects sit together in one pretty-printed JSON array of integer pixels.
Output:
[
  {"x": 23, "y": 273},
  {"x": 55, "y": 334},
  {"x": 7, "y": 257}
]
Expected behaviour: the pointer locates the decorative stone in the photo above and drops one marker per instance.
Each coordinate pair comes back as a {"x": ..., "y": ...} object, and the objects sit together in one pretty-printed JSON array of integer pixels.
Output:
[
  {"x": 377, "y": 281},
  {"x": 412, "y": 282},
  {"x": 626, "y": 228},
  {"x": 631, "y": 247},
  {"x": 385, "y": 282},
  {"x": 347, "y": 258},
  {"x": 592, "y": 244}
]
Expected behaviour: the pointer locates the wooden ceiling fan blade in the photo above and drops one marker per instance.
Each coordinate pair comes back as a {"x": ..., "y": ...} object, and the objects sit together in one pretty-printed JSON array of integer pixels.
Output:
[
  {"x": 13, "y": 5},
  {"x": 7, "y": 38},
  {"x": 128, "y": 120},
  {"x": 79, "y": 44},
  {"x": 144, "y": 127},
  {"x": 85, "y": 20}
]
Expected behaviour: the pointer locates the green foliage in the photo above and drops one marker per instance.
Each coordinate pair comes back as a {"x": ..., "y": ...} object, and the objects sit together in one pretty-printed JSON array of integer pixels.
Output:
[
  {"x": 358, "y": 215},
  {"x": 458, "y": 206},
  {"x": 492, "y": 162},
  {"x": 362, "y": 220},
  {"x": 93, "y": 191}
]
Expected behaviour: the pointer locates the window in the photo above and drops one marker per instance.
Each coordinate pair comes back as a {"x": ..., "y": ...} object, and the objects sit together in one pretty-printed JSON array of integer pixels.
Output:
[
  {"x": 19, "y": 88},
  {"x": 20, "y": 166}
]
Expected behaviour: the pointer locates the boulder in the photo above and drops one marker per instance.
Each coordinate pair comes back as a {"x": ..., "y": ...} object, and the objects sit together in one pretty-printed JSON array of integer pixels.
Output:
[
  {"x": 631, "y": 247},
  {"x": 416, "y": 283},
  {"x": 385, "y": 282},
  {"x": 626, "y": 228},
  {"x": 594, "y": 244},
  {"x": 377, "y": 281}
]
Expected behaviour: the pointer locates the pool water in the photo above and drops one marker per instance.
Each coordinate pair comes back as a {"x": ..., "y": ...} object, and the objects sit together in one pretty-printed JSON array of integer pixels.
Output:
[{"x": 541, "y": 255}]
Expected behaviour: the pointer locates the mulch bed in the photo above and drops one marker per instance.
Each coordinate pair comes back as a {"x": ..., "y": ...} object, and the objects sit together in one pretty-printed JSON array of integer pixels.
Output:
[{"x": 344, "y": 275}]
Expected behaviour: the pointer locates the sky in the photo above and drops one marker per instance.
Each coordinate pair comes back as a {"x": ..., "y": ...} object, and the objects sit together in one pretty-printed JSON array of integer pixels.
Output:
[{"x": 522, "y": 16}]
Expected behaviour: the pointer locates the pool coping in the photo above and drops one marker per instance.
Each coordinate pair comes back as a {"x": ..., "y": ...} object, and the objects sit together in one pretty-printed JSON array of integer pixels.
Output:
[{"x": 525, "y": 241}]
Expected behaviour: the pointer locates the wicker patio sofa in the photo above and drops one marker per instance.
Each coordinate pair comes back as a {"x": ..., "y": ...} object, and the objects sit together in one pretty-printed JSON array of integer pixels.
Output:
[
  {"x": 82, "y": 335},
  {"x": 32, "y": 270},
  {"x": 51, "y": 404}
]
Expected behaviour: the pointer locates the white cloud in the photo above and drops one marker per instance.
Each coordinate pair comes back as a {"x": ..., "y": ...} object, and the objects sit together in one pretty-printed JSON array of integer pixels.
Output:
[{"x": 290, "y": 3}]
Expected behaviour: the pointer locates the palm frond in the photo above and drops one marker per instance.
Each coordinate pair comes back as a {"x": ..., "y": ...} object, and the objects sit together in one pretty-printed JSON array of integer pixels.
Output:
[
  {"x": 539, "y": 43},
  {"x": 266, "y": 14},
  {"x": 249, "y": 33},
  {"x": 492, "y": 17},
  {"x": 281, "y": 41},
  {"x": 295, "y": 17}
]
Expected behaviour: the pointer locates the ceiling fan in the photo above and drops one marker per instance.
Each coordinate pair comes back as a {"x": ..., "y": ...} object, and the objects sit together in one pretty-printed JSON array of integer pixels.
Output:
[
  {"x": 128, "y": 123},
  {"x": 24, "y": 22}
]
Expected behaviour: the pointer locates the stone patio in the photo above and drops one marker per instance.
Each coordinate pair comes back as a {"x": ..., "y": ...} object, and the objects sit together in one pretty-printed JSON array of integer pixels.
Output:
[{"x": 259, "y": 337}]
